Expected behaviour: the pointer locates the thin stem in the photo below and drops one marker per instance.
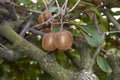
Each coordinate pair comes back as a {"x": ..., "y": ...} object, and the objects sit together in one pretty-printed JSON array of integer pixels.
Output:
[
  {"x": 11, "y": 10},
  {"x": 3, "y": 46},
  {"x": 46, "y": 22},
  {"x": 74, "y": 6},
  {"x": 98, "y": 48},
  {"x": 111, "y": 32},
  {"x": 112, "y": 19},
  {"x": 57, "y": 4},
  {"x": 65, "y": 7},
  {"x": 96, "y": 52},
  {"x": 51, "y": 3},
  {"x": 27, "y": 26},
  {"x": 66, "y": 2},
  {"x": 62, "y": 10},
  {"x": 96, "y": 23},
  {"x": 45, "y": 4},
  {"x": 61, "y": 20},
  {"x": 37, "y": 32}
]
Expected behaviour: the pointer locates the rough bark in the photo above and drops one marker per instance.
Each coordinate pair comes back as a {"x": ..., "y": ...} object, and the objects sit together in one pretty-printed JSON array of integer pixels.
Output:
[{"x": 113, "y": 58}]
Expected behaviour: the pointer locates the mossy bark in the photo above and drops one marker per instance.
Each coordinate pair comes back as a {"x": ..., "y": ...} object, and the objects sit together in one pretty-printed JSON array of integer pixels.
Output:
[{"x": 113, "y": 60}]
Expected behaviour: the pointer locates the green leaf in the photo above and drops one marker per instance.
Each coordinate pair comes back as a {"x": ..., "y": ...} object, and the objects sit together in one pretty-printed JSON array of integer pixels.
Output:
[
  {"x": 24, "y": 1},
  {"x": 103, "y": 64},
  {"x": 91, "y": 35},
  {"x": 86, "y": 3},
  {"x": 36, "y": 10},
  {"x": 55, "y": 29},
  {"x": 53, "y": 9},
  {"x": 95, "y": 10}
]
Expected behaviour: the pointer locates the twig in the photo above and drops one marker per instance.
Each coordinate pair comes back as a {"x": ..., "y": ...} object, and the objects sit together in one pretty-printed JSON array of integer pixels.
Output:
[
  {"x": 61, "y": 20},
  {"x": 103, "y": 51},
  {"x": 9, "y": 54},
  {"x": 2, "y": 3},
  {"x": 96, "y": 52},
  {"x": 63, "y": 11},
  {"x": 98, "y": 48},
  {"x": 64, "y": 7},
  {"x": 112, "y": 19},
  {"x": 51, "y": 3},
  {"x": 74, "y": 60},
  {"x": 37, "y": 32},
  {"x": 45, "y": 4},
  {"x": 47, "y": 22},
  {"x": 58, "y": 5},
  {"x": 9, "y": 6},
  {"x": 3, "y": 46},
  {"x": 27, "y": 26},
  {"x": 11, "y": 10},
  {"x": 111, "y": 32},
  {"x": 66, "y": 2},
  {"x": 56, "y": 15},
  {"x": 96, "y": 23},
  {"x": 74, "y": 6}
]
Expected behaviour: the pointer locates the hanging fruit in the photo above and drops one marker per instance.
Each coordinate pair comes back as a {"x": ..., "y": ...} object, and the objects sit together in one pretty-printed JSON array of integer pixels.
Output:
[
  {"x": 63, "y": 40},
  {"x": 48, "y": 41},
  {"x": 44, "y": 16},
  {"x": 40, "y": 18}
]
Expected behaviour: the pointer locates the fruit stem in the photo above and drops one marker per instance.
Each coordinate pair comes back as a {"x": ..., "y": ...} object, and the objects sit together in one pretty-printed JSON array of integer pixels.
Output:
[{"x": 61, "y": 20}]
